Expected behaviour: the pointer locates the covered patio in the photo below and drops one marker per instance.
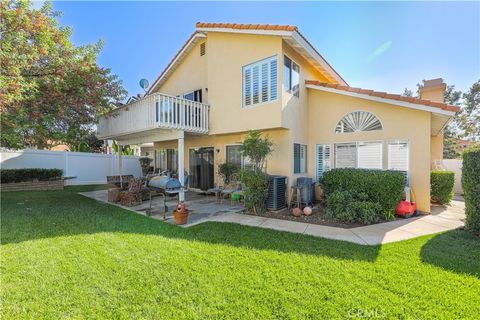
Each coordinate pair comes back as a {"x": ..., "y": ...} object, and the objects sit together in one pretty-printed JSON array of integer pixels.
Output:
[{"x": 201, "y": 207}]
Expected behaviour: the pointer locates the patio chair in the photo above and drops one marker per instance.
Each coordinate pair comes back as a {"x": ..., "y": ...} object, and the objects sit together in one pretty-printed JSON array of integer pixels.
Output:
[
  {"x": 134, "y": 194},
  {"x": 114, "y": 181},
  {"x": 217, "y": 190},
  {"x": 231, "y": 187}
]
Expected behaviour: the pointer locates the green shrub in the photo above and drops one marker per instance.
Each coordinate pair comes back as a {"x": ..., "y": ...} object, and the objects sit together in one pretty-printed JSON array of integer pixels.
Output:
[
  {"x": 441, "y": 186},
  {"x": 471, "y": 187},
  {"x": 351, "y": 206},
  {"x": 19, "y": 175},
  {"x": 256, "y": 190},
  {"x": 382, "y": 187}
]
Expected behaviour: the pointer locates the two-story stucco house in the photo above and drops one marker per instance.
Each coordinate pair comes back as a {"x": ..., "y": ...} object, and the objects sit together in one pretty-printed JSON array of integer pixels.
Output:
[{"x": 228, "y": 79}]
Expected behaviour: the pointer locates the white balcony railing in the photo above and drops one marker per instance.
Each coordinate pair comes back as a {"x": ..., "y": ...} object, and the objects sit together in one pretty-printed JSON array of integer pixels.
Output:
[{"x": 152, "y": 112}]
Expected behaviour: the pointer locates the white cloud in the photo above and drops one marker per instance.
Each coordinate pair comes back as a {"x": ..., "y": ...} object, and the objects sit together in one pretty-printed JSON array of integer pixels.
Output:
[{"x": 379, "y": 51}]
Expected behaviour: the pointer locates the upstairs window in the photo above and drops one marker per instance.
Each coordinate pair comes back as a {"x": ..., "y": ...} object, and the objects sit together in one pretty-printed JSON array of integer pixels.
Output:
[
  {"x": 193, "y": 95},
  {"x": 260, "y": 82},
  {"x": 291, "y": 76}
]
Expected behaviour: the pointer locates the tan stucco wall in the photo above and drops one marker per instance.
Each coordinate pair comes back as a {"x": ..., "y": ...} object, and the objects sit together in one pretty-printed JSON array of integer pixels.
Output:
[
  {"x": 295, "y": 109},
  {"x": 436, "y": 147},
  {"x": 190, "y": 75},
  {"x": 278, "y": 163},
  {"x": 227, "y": 54},
  {"x": 326, "y": 109}
]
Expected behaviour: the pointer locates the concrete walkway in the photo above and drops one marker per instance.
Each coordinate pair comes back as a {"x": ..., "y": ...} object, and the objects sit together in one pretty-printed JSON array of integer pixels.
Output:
[{"x": 441, "y": 219}]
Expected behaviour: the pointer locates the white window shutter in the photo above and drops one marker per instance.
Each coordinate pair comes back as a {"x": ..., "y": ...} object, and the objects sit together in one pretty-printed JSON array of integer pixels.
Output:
[
  {"x": 398, "y": 153},
  {"x": 260, "y": 82},
  {"x": 323, "y": 159},
  {"x": 345, "y": 155},
  {"x": 247, "y": 86},
  {"x": 273, "y": 79},
  {"x": 369, "y": 155}
]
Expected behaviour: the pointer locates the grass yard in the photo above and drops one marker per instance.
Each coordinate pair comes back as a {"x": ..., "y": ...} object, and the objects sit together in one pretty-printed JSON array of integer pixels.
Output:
[{"x": 67, "y": 256}]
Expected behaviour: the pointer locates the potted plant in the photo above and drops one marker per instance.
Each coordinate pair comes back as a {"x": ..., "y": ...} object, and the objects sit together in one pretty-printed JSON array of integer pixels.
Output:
[
  {"x": 180, "y": 214},
  {"x": 145, "y": 164}
]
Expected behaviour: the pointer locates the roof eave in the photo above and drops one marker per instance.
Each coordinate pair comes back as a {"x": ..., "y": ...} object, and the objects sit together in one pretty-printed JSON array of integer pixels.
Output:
[{"x": 384, "y": 100}]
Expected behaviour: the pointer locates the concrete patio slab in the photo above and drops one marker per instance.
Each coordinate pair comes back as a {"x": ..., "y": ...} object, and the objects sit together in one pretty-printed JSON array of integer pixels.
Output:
[{"x": 204, "y": 209}]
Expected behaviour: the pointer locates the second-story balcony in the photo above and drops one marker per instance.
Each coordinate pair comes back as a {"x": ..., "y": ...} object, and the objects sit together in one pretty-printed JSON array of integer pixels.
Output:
[{"x": 155, "y": 111}]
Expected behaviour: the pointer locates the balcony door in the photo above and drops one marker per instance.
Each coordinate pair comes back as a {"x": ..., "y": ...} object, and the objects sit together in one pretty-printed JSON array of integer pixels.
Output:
[
  {"x": 201, "y": 168},
  {"x": 197, "y": 97}
]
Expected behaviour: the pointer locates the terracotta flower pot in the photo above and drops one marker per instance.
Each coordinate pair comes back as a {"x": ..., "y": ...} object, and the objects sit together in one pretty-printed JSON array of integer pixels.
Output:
[
  {"x": 307, "y": 211},
  {"x": 296, "y": 212},
  {"x": 181, "y": 217}
]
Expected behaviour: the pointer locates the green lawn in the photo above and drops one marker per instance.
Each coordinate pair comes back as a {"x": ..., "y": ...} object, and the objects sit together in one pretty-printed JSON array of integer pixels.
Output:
[{"x": 66, "y": 256}]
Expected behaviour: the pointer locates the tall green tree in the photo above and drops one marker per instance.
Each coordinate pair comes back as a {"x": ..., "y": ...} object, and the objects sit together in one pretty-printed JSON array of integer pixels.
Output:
[
  {"x": 51, "y": 91},
  {"x": 469, "y": 116}
]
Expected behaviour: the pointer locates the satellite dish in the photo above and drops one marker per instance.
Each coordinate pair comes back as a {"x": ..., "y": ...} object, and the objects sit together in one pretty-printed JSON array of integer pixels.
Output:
[{"x": 144, "y": 84}]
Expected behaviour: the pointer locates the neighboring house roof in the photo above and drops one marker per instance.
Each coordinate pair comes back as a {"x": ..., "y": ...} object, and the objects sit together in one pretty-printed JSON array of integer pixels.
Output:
[
  {"x": 289, "y": 33},
  {"x": 397, "y": 99}
]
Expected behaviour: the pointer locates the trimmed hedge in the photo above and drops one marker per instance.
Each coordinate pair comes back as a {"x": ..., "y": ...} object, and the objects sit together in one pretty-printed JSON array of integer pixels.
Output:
[
  {"x": 22, "y": 175},
  {"x": 347, "y": 206},
  {"x": 471, "y": 187},
  {"x": 441, "y": 186},
  {"x": 382, "y": 187}
]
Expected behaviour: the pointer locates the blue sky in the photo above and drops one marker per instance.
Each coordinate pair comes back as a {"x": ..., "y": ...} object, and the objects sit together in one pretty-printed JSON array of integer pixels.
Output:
[{"x": 373, "y": 45}]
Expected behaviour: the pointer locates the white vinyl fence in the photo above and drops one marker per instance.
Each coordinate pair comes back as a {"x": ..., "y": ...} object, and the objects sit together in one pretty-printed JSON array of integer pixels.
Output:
[
  {"x": 88, "y": 168},
  {"x": 455, "y": 165}
]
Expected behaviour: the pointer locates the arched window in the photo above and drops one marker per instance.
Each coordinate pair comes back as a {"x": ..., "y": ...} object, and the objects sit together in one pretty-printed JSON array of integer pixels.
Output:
[{"x": 358, "y": 121}]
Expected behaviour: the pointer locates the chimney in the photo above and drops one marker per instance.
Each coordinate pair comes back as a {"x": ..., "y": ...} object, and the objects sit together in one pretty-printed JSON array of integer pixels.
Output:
[{"x": 433, "y": 90}]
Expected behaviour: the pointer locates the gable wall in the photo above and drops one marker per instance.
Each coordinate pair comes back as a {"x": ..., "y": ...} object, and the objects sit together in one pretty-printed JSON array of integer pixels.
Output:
[
  {"x": 190, "y": 75},
  {"x": 399, "y": 123},
  {"x": 228, "y": 53}
]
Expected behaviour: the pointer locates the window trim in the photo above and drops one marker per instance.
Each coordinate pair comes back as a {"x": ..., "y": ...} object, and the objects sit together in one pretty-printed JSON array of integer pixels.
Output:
[
  {"x": 358, "y": 110},
  {"x": 306, "y": 158},
  {"x": 290, "y": 91},
  {"x": 242, "y": 96}
]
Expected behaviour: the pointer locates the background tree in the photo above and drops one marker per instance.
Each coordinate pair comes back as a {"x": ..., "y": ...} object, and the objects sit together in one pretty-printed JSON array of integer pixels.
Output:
[
  {"x": 465, "y": 124},
  {"x": 50, "y": 90},
  {"x": 469, "y": 115}
]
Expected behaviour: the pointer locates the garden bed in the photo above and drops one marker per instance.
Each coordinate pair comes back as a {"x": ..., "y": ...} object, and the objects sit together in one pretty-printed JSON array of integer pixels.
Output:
[
  {"x": 32, "y": 186},
  {"x": 317, "y": 217}
]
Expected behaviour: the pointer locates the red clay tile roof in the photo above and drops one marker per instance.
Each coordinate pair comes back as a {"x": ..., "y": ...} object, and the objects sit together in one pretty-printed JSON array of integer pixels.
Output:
[
  {"x": 247, "y": 26},
  {"x": 275, "y": 27},
  {"x": 385, "y": 95}
]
